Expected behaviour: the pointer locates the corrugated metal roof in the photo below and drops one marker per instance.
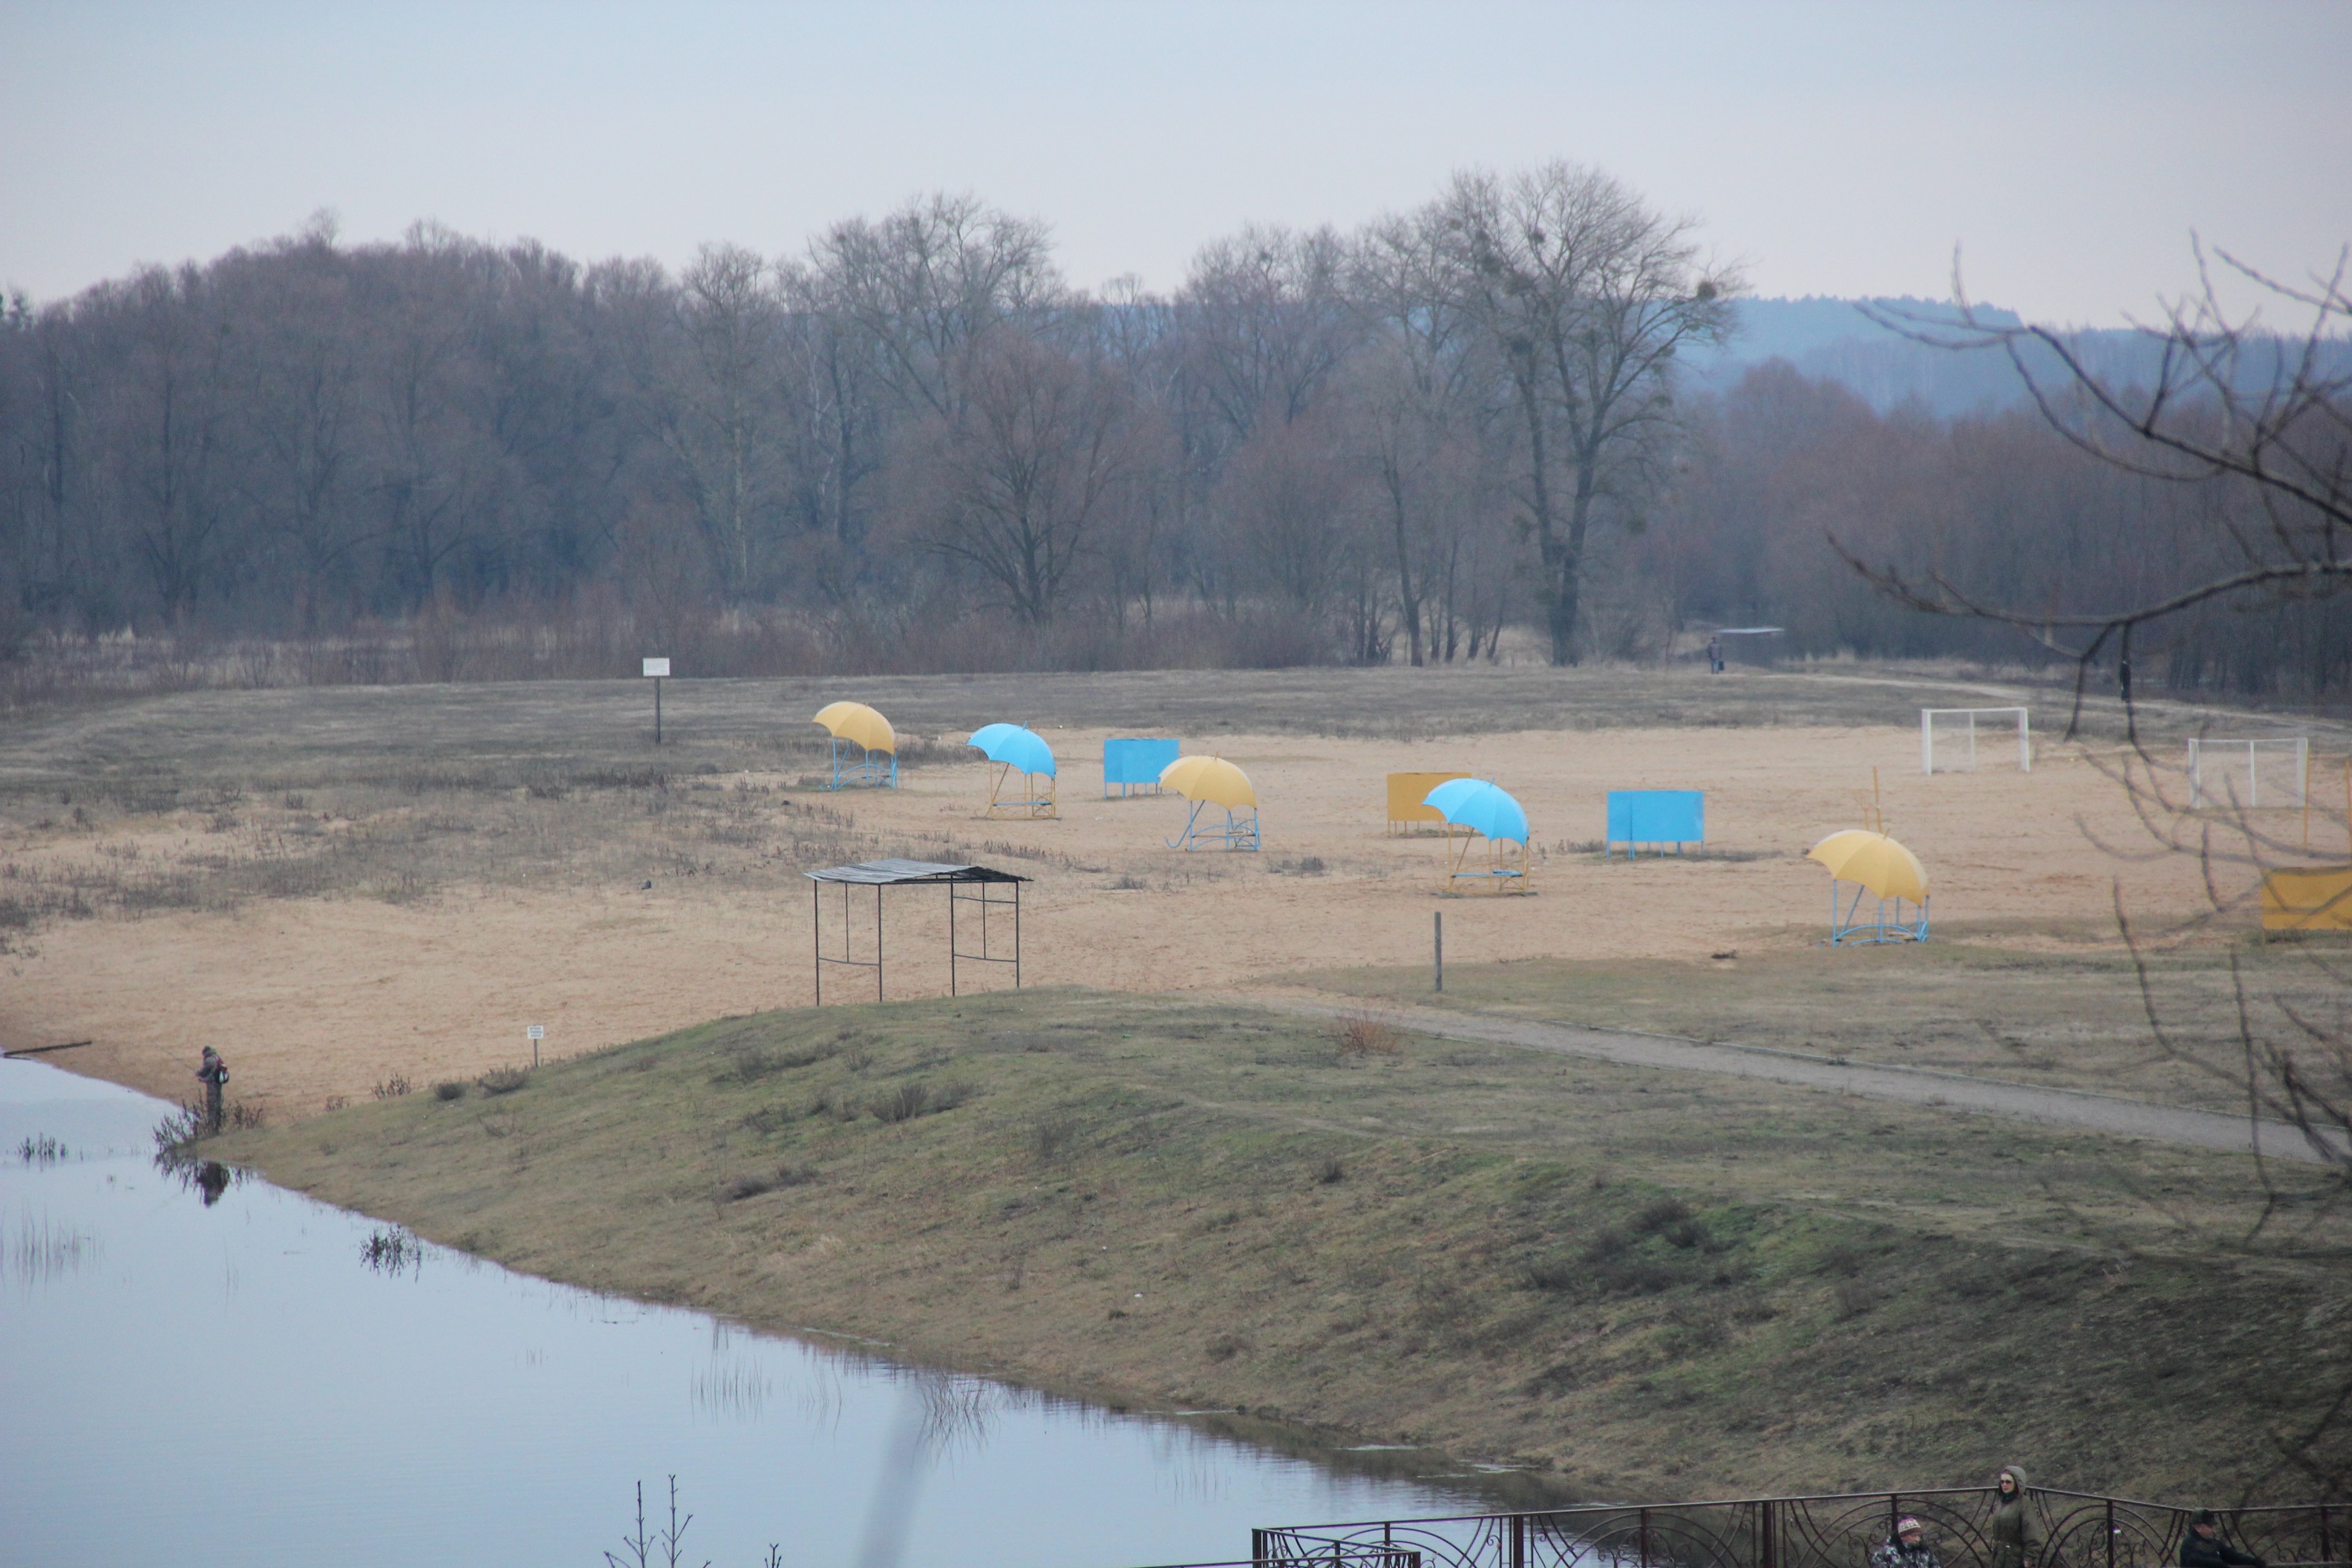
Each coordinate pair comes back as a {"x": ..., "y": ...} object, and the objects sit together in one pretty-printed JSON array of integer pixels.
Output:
[{"x": 885, "y": 873}]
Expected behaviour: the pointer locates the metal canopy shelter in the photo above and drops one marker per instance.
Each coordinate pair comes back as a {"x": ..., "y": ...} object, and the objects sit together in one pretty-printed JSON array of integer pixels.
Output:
[{"x": 880, "y": 874}]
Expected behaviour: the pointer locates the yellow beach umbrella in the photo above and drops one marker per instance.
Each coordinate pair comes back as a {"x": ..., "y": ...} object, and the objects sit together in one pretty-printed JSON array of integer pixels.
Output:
[
  {"x": 1875, "y": 861},
  {"x": 1211, "y": 779},
  {"x": 858, "y": 723}
]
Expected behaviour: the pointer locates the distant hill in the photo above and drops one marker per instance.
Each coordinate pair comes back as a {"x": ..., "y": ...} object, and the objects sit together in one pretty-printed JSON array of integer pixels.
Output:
[{"x": 1834, "y": 340}]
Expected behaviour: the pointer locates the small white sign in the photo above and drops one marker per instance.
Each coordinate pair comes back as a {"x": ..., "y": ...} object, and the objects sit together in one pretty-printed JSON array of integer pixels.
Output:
[
  {"x": 537, "y": 1032},
  {"x": 656, "y": 666}
]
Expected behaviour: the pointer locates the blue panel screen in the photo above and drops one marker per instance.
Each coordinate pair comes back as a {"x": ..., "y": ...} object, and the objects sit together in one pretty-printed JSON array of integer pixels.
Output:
[
  {"x": 1657, "y": 816},
  {"x": 1134, "y": 762}
]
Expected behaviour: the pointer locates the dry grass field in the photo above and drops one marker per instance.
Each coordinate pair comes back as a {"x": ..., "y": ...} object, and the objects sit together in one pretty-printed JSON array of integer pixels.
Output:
[{"x": 337, "y": 887}]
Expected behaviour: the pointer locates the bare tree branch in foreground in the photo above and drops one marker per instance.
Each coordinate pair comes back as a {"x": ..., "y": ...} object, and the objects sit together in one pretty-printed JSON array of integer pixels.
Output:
[{"x": 2265, "y": 418}]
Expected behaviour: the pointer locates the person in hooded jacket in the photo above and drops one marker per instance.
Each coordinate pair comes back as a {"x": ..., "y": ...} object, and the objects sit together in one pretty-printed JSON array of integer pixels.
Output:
[
  {"x": 2203, "y": 1547},
  {"x": 2014, "y": 1538},
  {"x": 1908, "y": 1548}
]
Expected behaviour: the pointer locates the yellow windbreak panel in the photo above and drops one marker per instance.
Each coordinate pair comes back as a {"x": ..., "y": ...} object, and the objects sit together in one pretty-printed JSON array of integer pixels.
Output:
[
  {"x": 2307, "y": 897},
  {"x": 1407, "y": 793}
]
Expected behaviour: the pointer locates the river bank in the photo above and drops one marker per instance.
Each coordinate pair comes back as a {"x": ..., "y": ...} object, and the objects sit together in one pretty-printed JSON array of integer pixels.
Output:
[{"x": 1619, "y": 1280}]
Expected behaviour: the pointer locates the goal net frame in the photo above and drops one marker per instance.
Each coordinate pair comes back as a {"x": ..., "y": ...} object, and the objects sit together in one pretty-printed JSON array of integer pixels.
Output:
[
  {"x": 1927, "y": 716},
  {"x": 2298, "y": 787}
]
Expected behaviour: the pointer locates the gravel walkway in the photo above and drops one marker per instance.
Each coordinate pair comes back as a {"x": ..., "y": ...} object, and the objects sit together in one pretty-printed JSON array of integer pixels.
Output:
[{"x": 1910, "y": 1086}]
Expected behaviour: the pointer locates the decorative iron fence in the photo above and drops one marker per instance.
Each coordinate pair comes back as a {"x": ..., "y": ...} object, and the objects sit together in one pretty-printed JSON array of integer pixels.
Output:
[
  {"x": 1330, "y": 1554},
  {"x": 2081, "y": 1530}
]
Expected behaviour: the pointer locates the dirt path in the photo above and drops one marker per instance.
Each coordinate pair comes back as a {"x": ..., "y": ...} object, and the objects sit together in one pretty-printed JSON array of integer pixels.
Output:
[{"x": 1911, "y": 1086}]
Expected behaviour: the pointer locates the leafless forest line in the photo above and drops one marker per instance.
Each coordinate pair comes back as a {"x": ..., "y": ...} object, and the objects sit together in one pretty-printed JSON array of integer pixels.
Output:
[{"x": 918, "y": 447}]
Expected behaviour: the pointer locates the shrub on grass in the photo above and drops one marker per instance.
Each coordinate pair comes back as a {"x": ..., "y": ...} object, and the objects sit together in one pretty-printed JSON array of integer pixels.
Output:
[
  {"x": 1553, "y": 1274},
  {"x": 1660, "y": 1213},
  {"x": 1363, "y": 1033},
  {"x": 1855, "y": 1297},
  {"x": 503, "y": 1080},
  {"x": 392, "y": 1088},
  {"x": 909, "y": 1101},
  {"x": 770, "y": 1118},
  {"x": 751, "y": 1183},
  {"x": 748, "y": 1184},
  {"x": 449, "y": 1089},
  {"x": 1054, "y": 1139}
]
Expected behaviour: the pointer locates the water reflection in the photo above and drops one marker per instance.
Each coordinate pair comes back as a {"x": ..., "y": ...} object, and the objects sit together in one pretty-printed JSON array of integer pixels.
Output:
[
  {"x": 40, "y": 1250},
  {"x": 388, "y": 1251},
  {"x": 40, "y": 1150},
  {"x": 473, "y": 1414}
]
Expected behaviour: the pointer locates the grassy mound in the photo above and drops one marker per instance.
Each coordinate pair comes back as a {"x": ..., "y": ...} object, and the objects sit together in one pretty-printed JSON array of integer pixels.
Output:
[{"x": 1627, "y": 1280}]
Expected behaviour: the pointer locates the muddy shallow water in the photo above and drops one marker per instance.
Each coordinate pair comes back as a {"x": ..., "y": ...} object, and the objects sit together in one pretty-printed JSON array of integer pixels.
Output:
[{"x": 200, "y": 1369}]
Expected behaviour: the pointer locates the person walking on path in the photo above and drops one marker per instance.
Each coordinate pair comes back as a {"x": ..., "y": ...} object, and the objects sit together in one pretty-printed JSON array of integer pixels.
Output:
[
  {"x": 1714, "y": 655},
  {"x": 1907, "y": 1549},
  {"x": 213, "y": 1074},
  {"x": 2013, "y": 1539},
  {"x": 2203, "y": 1547}
]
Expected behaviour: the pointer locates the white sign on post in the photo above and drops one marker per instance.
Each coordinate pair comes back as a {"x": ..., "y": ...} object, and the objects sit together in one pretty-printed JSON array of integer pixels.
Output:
[
  {"x": 537, "y": 1032},
  {"x": 656, "y": 667}
]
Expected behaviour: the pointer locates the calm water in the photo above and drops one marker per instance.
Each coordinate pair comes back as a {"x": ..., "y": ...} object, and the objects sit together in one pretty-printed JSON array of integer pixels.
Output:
[{"x": 233, "y": 1383}]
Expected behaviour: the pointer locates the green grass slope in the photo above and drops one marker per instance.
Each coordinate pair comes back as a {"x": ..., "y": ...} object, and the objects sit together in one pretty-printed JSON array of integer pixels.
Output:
[{"x": 1629, "y": 1281}]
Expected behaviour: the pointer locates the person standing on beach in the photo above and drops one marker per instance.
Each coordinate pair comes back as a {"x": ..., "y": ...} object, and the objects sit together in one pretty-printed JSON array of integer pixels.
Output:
[
  {"x": 2013, "y": 1539},
  {"x": 213, "y": 1074}
]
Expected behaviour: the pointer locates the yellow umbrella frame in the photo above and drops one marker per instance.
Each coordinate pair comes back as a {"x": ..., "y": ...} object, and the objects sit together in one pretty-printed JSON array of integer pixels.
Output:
[
  {"x": 1878, "y": 866},
  {"x": 856, "y": 724},
  {"x": 1204, "y": 782}
]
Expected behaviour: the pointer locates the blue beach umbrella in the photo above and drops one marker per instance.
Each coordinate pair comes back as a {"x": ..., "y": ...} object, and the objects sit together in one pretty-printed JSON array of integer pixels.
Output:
[
  {"x": 1479, "y": 807},
  {"x": 1016, "y": 747}
]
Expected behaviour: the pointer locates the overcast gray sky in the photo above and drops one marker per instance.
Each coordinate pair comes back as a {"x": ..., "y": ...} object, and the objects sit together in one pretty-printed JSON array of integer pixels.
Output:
[{"x": 1837, "y": 149}]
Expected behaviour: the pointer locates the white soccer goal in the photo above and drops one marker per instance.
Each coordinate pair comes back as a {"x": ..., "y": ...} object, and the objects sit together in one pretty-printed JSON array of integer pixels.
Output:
[
  {"x": 2251, "y": 774},
  {"x": 1947, "y": 737}
]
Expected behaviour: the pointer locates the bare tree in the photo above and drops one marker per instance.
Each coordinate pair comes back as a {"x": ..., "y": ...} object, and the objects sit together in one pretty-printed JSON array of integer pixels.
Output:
[
  {"x": 834, "y": 389},
  {"x": 925, "y": 281},
  {"x": 40, "y": 420},
  {"x": 425, "y": 466},
  {"x": 721, "y": 416},
  {"x": 301, "y": 411},
  {"x": 1037, "y": 462},
  {"x": 1294, "y": 510},
  {"x": 169, "y": 416},
  {"x": 1588, "y": 297},
  {"x": 1424, "y": 421},
  {"x": 1264, "y": 319}
]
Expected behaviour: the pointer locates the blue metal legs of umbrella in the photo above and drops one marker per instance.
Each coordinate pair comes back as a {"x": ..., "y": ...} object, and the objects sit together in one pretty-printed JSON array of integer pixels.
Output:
[
  {"x": 1847, "y": 930},
  {"x": 883, "y": 775},
  {"x": 1236, "y": 832}
]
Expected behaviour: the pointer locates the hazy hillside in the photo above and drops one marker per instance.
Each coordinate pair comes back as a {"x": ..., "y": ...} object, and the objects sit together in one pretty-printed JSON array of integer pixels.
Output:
[{"x": 1835, "y": 340}]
